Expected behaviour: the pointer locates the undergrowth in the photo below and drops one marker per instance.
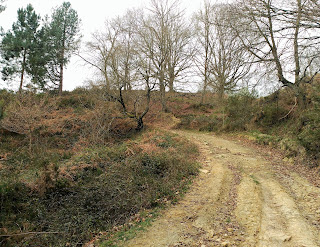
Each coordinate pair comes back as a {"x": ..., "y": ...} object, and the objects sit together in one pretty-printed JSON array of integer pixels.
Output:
[{"x": 93, "y": 190}]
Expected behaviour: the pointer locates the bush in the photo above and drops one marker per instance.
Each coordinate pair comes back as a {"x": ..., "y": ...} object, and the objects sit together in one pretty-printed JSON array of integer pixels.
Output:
[
  {"x": 239, "y": 110},
  {"x": 201, "y": 122},
  {"x": 5, "y": 99},
  {"x": 309, "y": 135},
  {"x": 75, "y": 101},
  {"x": 271, "y": 114},
  {"x": 98, "y": 188},
  {"x": 211, "y": 123}
]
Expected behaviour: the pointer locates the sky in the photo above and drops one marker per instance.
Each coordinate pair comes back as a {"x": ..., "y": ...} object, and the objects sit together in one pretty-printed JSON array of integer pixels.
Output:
[{"x": 92, "y": 13}]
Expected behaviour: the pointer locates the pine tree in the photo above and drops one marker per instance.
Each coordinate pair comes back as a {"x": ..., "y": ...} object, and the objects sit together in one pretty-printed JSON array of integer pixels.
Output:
[
  {"x": 63, "y": 39},
  {"x": 18, "y": 44}
]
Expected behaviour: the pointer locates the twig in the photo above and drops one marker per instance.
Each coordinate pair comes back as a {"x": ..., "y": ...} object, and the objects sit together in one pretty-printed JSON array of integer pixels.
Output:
[
  {"x": 28, "y": 233},
  {"x": 295, "y": 104}
]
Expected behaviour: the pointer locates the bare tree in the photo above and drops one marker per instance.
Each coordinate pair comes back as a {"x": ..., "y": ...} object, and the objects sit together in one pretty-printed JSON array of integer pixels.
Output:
[
  {"x": 229, "y": 63},
  {"x": 203, "y": 21},
  {"x": 283, "y": 35},
  {"x": 114, "y": 53},
  {"x": 164, "y": 40},
  {"x": 221, "y": 60},
  {"x": 138, "y": 104},
  {"x": 180, "y": 50},
  {"x": 100, "y": 50}
]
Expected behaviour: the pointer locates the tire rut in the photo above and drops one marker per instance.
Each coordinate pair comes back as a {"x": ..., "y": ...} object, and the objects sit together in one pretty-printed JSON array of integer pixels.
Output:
[{"x": 238, "y": 200}]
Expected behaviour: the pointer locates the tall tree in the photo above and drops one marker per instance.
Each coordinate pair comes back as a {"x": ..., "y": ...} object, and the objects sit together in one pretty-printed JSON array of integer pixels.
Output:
[
  {"x": 114, "y": 51},
  {"x": 203, "y": 20},
  {"x": 282, "y": 35},
  {"x": 115, "y": 54},
  {"x": 62, "y": 41},
  {"x": 181, "y": 50},
  {"x": 221, "y": 60},
  {"x": 164, "y": 41},
  {"x": 18, "y": 44},
  {"x": 230, "y": 62}
]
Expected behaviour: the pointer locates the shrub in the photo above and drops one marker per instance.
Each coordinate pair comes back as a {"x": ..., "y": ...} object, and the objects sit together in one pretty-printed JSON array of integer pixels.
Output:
[
  {"x": 239, "y": 110},
  {"x": 309, "y": 135},
  {"x": 25, "y": 113},
  {"x": 211, "y": 123},
  {"x": 5, "y": 99},
  {"x": 271, "y": 114},
  {"x": 98, "y": 188}
]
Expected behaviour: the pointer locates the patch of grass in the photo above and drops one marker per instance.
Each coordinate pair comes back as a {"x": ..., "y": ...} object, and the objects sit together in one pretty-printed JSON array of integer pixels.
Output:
[{"x": 128, "y": 231}]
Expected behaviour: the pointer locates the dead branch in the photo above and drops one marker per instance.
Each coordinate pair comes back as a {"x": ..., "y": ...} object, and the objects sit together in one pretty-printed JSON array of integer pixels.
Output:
[{"x": 295, "y": 104}]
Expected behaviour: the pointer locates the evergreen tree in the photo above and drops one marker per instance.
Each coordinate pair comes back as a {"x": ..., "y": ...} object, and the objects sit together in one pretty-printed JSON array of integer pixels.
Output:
[
  {"x": 38, "y": 60},
  {"x": 62, "y": 34},
  {"x": 18, "y": 44}
]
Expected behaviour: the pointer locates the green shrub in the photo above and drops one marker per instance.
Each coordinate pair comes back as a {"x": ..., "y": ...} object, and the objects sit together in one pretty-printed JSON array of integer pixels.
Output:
[
  {"x": 310, "y": 131},
  {"x": 5, "y": 99},
  {"x": 265, "y": 139},
  {"x": 271, "y": 114},
  {"x": 239, "y": 110},
  {"x": 211, "y": 123},
  {"x": 98, "y": 188},
  {"x": 76, "y": 101},
  {"x": 201, "y": 122},
  {"x": 185, "y": 121},
  {"x": 164, "y": 141},
  {"x": 310, "y": 134}
]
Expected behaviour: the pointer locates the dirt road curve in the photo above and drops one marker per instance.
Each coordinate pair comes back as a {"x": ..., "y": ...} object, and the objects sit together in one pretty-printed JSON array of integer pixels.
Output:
[{"x": 239, "y": 199}]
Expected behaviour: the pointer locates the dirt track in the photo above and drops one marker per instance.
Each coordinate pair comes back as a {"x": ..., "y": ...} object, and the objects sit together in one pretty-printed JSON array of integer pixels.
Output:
[{"x": 239, "y": 199}]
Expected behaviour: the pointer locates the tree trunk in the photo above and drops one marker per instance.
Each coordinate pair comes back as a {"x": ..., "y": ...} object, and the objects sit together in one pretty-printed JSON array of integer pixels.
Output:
[
  {"x": 140, "y": 124},
  {"x": 301, "y": 96},
  {"x": 171, "y": 89},
  {"x": 171, "y": 80},
  {"x": 163, "y": 92},
  {"x": 22, "y": 71},
  {"x": 221, "y": 89},
  {"x": 204, "y": 90},
  {"x": 61, "y": 78}
]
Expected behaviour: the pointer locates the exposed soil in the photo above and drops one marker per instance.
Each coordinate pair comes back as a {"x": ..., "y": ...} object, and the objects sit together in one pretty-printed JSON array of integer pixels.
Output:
[{"x": 240, "y": 199}]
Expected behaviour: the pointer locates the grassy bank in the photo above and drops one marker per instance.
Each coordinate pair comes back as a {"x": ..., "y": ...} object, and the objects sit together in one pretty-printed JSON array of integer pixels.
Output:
[{"x": 67, "y": 183}]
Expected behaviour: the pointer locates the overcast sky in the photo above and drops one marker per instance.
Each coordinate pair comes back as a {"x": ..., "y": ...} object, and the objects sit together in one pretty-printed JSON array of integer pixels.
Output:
[{"x": 93, "y": 13}]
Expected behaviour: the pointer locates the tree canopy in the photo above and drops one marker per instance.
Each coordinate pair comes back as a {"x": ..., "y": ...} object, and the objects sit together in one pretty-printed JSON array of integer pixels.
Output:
[
  {"x": 39, "y": 50},
  {"x": 18, "y": 44}
]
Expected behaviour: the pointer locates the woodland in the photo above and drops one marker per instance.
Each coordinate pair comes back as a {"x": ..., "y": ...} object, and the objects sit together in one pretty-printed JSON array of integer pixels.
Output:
[{"x": 98, "y": 164}]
